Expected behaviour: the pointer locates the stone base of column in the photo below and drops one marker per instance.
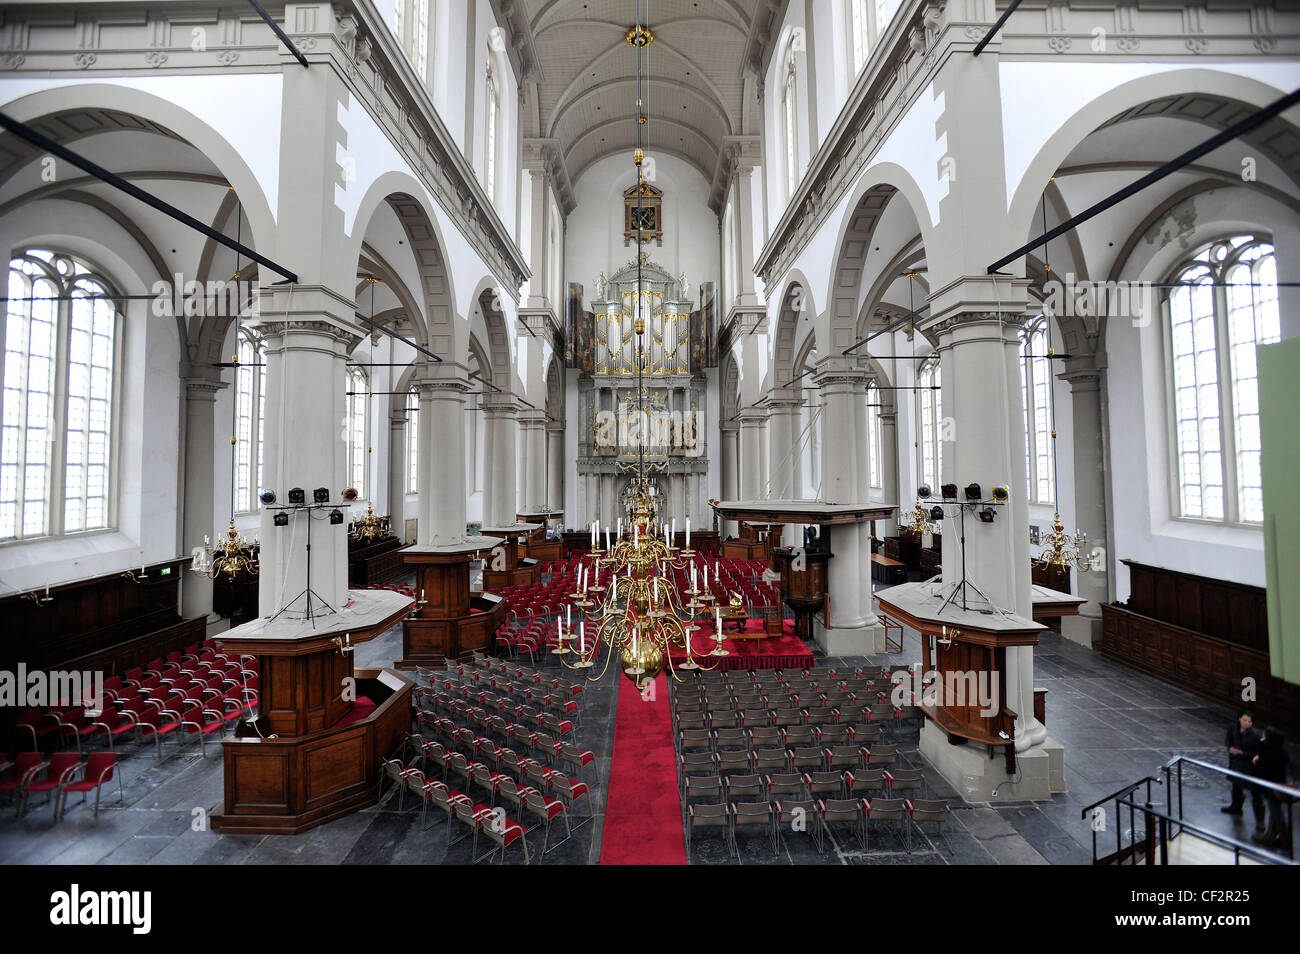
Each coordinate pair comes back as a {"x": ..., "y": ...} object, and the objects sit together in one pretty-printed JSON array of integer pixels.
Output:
[
  {"x": 1081, "y": 629},
  {"x": 865, "y": 640},
  {"x": 1040, "y": 771}
]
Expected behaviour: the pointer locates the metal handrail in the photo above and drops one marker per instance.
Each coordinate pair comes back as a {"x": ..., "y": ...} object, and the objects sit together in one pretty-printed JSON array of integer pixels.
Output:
[
  {"x": 1224, "y": 840},
  {"x": 1116, "y": 796},
  {"x": 1292, "y": 795}
]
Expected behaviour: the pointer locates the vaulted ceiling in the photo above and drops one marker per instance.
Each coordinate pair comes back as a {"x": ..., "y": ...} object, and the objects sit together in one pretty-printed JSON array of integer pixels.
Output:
[{"x": 586, "y": 101}]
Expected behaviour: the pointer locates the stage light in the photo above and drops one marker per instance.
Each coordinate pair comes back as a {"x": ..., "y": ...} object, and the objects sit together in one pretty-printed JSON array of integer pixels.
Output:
[
  {"x": 296, "y": 496},
  {"x": 923, "y": 491},
  {"x": 350, "y": 494},
  {"x": 936, "y": 512},
  {"x": 267, "y": 497},
  {"x": 336, "y": 517},
  {"x": 973, "y": 491},
  {"x": 281, "y": 519},
  {"x": 987, "y": 514},
  {"x": 1000, "y": 492},
  {"x": 321, "y": 495},
  {"x": 949, "y": 491}
]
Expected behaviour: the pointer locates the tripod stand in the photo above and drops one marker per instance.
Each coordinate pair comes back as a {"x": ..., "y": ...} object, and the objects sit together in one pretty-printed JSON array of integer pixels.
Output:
[
  {"x": 310, "y": 595},
  {"x": 965, "y": 585}
]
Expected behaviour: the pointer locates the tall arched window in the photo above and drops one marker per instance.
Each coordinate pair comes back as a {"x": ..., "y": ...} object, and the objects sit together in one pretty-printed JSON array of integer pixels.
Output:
[
  {"x": 874, "y": 441},
  {"x": 356, "y": 428},
  {"x": 928, "y": 379},
  {"x": 1224, "y": 305},
  {"x": 866, "y": 21},
  {"x": 412, "y": 441},
  {"x": 57, "y": 398},
  {"x": 250, "y": 416},
  {"x": 1036, "y": 395},
  {"x": 490, "y": 145},
  {"x": 790, "y": 122},
  {"x": 411, "y": 24}
]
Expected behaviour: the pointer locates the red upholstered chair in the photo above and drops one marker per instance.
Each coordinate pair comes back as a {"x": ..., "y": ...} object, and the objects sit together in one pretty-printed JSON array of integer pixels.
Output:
[
  {"x": 57, "y": 771},
  {"x": 845, "y": 811},
  {"x": 495, "y": 826},
  {"x": 98, "y": 768},
  {"x": 39, "y": 727},
  {"x": 25, "y": 765},
  {"x": 546, "y": 810},
  {"x": 110, "y": 724},
  {"x": 156, "y": 724}
]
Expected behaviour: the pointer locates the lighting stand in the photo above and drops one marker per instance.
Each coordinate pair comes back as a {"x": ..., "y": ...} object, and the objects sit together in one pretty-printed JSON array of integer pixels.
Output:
[
  {"x": 966, "y": 584},
  {"x": 310, "y": 595}
]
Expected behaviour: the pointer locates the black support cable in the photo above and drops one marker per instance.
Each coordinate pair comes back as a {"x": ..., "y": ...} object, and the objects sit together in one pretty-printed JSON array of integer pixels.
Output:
[
  {"x": 23, "y": 131},
  {"x": 284, "y": 37},
  {"x": 1011, "y": 8},
  {"x": 1255, "y": 119},
  {"x": 393, "y": 334}
]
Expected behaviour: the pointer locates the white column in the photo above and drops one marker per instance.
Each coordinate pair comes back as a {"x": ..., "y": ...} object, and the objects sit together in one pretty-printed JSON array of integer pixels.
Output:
[
  {"x": 442, "y": 390},
  {"x": 532, "y": 424},
  {"x": 199, "y": 515},
  {"x": 306, "y": 356},
  {"x": 1089, "y": 495},
  {"x": 986, "y": 411},
  {"x": 503, "y": 428},
  {"x": 889, "y": 469},
  {"x": 783, "y": 466},
  {"x": 397, "y": 464},
  {"x": 852, "y": 626},
  {"x": 555, "y": 467},
  {"x": 751, "y": 454},
  {"x": 730, "y": 488}
]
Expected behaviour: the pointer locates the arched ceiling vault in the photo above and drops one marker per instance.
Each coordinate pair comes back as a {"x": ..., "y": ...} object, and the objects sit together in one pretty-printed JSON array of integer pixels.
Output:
[{"x": 586, "y": 100}]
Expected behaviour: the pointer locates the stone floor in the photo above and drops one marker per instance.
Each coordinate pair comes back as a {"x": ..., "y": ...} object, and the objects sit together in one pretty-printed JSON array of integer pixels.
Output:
[{"x": 1117, "y": 726}]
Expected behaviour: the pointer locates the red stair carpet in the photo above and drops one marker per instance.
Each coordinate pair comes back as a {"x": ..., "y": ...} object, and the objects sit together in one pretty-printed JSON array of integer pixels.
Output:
[{"x": 643, "y": 813}]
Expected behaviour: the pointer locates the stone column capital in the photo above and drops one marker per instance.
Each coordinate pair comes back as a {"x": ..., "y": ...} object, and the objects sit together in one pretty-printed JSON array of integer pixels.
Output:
[
  {"x": 203, "y": 389},
  {"x": 752, "y": 417},
  {"x": 785, "y": 404}
]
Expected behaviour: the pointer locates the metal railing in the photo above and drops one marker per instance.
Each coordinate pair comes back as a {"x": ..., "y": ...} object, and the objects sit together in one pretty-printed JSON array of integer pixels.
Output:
[{"x": 1151, "y": 829}]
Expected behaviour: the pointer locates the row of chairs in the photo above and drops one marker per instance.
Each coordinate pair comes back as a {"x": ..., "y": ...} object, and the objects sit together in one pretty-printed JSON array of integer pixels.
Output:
[
  {"x": 61, "y": 775},
  {"x": 815, "y": 817},
  {"x": 810, "y": 759},
  {"x": 474, "y": 762}
]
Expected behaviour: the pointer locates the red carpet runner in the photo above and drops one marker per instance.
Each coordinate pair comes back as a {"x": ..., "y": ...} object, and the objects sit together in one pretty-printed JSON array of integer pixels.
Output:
[
  {"x": 774, "y": 652},
  {"x": 643, "y": 814}
]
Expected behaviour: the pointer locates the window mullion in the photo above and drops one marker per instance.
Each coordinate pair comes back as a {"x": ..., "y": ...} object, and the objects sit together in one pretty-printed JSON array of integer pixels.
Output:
[
  {"x": 59, "y": 412},
  {"x": 1227, "y": 412}
]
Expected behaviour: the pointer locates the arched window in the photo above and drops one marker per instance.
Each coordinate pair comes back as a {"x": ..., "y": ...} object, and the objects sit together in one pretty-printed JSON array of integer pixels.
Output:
[
  {"x": 412, "y": 441},
  {"x": 1036, "y": 395},
  {"x": 57, "y": 398},
  {"x": 250, "y": 416},
  {"x": 490, "y": 145},
  {"x": 1224, "y": 305},
  {"x": 874, "y": 440},
  {"x": 789, "y": 125},
  {"x": 411, "y": 24},
  {"x": 866, "y": 21},
  {"x": 356, "y": 429},
  {"x": 931, "y": 420}
]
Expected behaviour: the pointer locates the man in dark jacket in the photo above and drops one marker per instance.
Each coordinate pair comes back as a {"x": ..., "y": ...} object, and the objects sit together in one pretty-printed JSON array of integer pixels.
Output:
[
  {"x": 1271, "y": 766},
  {"x": 1243, "y": 745}
]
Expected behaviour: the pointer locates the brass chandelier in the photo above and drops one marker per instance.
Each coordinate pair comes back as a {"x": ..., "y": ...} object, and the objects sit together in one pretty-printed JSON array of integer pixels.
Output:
[
  {"x": 370, "y": 528},
  {"x": 640, "y": 617}
]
